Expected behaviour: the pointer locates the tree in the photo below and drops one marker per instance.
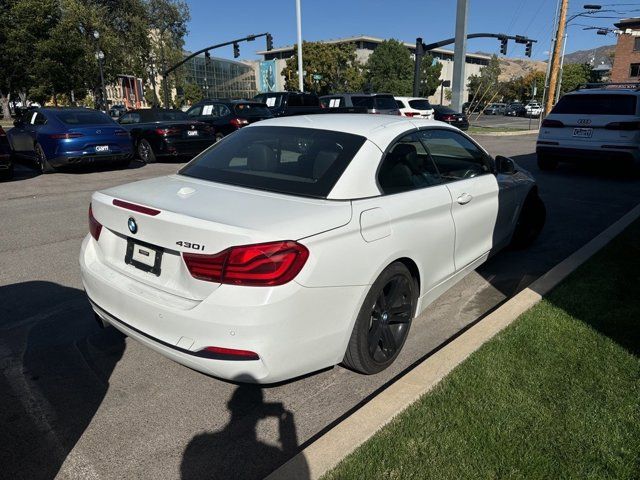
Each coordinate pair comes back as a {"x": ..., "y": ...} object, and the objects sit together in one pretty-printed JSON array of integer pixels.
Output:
[
  {"x": 485, "y": 87},
  {"x": 390, "y": 69},
  {"x": 574, "y": 74},
  {"x": 192, "y": 93},
  {"x": 429, "y": 76},
  {"x": 335, "y": 65}
]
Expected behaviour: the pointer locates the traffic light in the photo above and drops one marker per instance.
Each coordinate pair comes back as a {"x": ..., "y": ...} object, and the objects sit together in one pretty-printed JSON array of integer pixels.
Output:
[
  {"x": 207, "y": 57},
  {"x": 503, "y": 46},
  {"x": 269, "y": 42},
  {"x": 236, "y": 50},
  {"x": 527, "y": 49}
]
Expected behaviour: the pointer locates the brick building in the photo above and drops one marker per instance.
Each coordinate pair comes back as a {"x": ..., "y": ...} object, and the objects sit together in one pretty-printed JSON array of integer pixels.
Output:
[{"x": 626, "y": 64}]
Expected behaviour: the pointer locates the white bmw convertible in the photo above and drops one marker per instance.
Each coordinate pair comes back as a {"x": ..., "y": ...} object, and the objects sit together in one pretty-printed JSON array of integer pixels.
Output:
[{"x": 299, "y": 243}]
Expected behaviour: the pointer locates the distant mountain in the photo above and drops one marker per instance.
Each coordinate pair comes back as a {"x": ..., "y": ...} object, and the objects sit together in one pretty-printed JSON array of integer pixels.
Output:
[{"x": 595, "y": 56}]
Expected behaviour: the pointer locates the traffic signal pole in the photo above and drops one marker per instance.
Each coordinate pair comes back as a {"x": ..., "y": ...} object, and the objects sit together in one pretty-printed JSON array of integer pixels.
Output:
[
  {"x": 248, "y": 38},
  {"x": 459, "y": 55}
]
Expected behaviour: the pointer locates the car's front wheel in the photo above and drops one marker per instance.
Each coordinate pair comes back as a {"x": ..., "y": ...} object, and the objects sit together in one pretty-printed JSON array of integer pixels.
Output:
[
  {"x": 533, "y": 216},
  {"x": 384, "y": 321}
]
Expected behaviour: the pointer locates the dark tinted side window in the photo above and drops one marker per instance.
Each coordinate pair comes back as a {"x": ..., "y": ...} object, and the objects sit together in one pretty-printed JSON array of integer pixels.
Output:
[
  {"x": 455, "y": 156},
  {"x": 420, "y": 104},
  {"x": 384, "y": 102},
  {"x": 39, "y": 119},
  {"x": 407, "y": 166},
  {"x": 295, "y": 100},
  {"x": 194, "y": 111},
  {"x": 365, "y": 102},
  {"x": 597, "y": 104},
  {"x": 130, "y": 118},
  {"x": 311, "y": 101}
]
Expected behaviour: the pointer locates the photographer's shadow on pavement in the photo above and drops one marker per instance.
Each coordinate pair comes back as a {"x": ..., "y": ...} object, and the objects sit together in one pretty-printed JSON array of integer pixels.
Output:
[
  {"x": 235, "y": 452},
  {"x": 55, "y": 366}
]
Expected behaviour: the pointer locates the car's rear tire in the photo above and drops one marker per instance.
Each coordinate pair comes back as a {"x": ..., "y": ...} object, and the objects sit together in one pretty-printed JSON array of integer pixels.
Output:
[
  {"x": 6, "y": 174},
  {"x": 219, "y": 136},
  {"x": 530, "y": 221},
  {"x": 547, "y": 163},
  {"x": 42, "y": 163},
  {"x": 383, "y": 322},
  {"x": 145, "y": 152}
]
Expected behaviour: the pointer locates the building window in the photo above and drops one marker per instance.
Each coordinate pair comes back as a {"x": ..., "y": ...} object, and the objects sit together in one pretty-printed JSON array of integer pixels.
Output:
[
  {"x": 636, "y": 44},
  {"x": 634, "y": 71}
]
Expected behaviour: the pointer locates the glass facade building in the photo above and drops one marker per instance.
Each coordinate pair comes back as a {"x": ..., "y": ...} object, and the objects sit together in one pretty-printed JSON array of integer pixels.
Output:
[{"x": 221, "y": 78}]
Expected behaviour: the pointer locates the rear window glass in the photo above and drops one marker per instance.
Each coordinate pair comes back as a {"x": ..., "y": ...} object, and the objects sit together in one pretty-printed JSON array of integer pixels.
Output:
[
  {"x": 297, "y": 161},
  {"x": 366, "y": 102},
  {"x": 252, "y": 110},
  {"x": 420, "y": 104},
  {"x": 596, "y": 104},
  {"x": 82, "y": 117},
  {"x": 441, "y": 109},
  {"x": 163, "y": 115},
  {"x": 386, "y": 103}
]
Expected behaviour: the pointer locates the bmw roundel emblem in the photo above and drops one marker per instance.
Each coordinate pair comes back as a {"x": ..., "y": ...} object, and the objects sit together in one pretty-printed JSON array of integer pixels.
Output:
[{"x": 133, "y": 226}]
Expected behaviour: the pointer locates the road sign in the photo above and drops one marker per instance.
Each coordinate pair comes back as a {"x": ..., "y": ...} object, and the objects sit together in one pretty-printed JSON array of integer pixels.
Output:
[{"x": 317, "y": 76}]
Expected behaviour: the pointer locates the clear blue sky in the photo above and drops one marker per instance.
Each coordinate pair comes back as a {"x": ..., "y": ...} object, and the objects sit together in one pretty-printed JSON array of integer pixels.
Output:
[{"x": 215, "y": 21}]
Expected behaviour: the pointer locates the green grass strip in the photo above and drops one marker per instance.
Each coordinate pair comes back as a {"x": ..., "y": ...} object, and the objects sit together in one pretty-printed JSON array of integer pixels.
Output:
[{"x": 555, "y": 395}]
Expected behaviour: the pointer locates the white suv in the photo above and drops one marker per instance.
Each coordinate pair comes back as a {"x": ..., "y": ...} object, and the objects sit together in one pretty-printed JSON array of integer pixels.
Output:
[
  {"x": 600, "y": 123},
  {"x": 415, "y": 107},
  {"x": 533, "y": 109}
]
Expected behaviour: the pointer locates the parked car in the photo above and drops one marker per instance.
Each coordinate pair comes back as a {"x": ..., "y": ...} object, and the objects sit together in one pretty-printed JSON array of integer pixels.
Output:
[
  {"x": 601, "y": 124},
  {"x": 450, "y": 116},
  {"x": 6, "y": 162},
  {"x": 515, "y": 109},
  {"x": 495, "y": 109},
  {"x": 372, "y": 102},
  {"x": 159, "y": 133},
  {"x": 227, "y": 116},
  {"x": 53, "y": 137},
  {"x": 296, "y": 244},
  {"x": 285, "y": 104},
  {"x": 116, "y": 111},
  {"x": 415, "y": 107},
  {"x": 533, "y": 109},
  {"x": 472, "y": 107}
]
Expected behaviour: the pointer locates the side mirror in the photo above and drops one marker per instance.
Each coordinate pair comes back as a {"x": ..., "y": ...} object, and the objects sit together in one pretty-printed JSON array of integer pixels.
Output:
[{"x": 505, "y": 165}]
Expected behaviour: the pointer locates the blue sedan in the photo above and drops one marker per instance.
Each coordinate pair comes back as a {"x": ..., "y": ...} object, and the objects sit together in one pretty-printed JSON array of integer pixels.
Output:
[{"x": 53, "y": 137}]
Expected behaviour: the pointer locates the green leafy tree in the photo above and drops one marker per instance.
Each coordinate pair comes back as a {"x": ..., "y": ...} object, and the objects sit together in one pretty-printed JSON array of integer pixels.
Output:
[
  {"x": 485, "y": 87},
  {"x": 192, "y": 93},
  {"x": 335, "y": 64},
  {"x": 574, "y": 74},
  {"x": 429, "y": 76},
  {"x": 390, "y": 69}
]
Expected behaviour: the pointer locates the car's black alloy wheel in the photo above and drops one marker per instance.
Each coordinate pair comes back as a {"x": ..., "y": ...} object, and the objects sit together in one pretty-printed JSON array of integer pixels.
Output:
[
  {"x": 145, "y": 152},
  {"x": 41, "y": 160},
  {"x": 384, "y": 321},
  {"x": 530, "y": 222}
]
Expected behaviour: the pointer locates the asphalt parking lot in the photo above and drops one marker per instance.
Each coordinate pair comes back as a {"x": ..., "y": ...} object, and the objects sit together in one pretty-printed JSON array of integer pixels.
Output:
[
  {"x": 80, "y": 402},
  {"x": 502, "y": 121}
]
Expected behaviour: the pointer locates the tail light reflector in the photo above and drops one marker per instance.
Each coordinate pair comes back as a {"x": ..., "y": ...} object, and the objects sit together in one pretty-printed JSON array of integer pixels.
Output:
[
  {"x": 94, "y": 226},
  {"x": 262, "y": 264},
  {"x": 623, "y": 126},
  {"x": 221, "y": 353},
  {"x": 552, "y": 124},
  {"x": 448, "y": 117},
  {"x": 239, "y": 122},
  {"x": 136, "y": 208},
  {"x": 59, "y": 136},
  {"x": 409, "y": 114}
]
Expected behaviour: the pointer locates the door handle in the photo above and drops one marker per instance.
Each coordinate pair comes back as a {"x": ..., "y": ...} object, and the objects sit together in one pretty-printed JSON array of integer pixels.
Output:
[{"x": 464, "y": 199}]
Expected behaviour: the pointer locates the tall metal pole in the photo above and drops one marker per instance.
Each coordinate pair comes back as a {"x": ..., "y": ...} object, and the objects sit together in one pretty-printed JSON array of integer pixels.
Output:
[
  {"x": 555, "y": 62},
  {"x": 459, "y": 55},
  {"x": 299, "y": 22},
  {"x": 104, "y": 91},
  {"x": 416, "y": 67}
]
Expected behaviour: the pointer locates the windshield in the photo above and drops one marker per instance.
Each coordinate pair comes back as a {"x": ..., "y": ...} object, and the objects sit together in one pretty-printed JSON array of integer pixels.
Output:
[
  {"x": 420, "y": 104},
  {"x": 270, "y": 99},
  {"x": 252, "y": 110},
  {"x": 84, "y": 117},
  {"x": 597, "y": 104},
  {"x": 297, "y": 161}
]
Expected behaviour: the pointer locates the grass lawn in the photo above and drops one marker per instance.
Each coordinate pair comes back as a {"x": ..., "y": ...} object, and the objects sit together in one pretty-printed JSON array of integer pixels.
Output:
[
  {"x": 480, "y": 130},
  {"x": 555, "y": 395}
]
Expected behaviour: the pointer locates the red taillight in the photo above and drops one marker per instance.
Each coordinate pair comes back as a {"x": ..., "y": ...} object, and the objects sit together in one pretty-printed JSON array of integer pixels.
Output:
[
  {"x": 239, "y": 122},
  {"x": 221, "y": 353},
  {"x": 448, "y": 118},
  {"x": 59, "y": 136},
  {"x": 623, "y": 126},
  {"x": 136, "y": 208},
  {"x": 263, "y": 264},
  {"x": 167, "y": 131},
  {"x": 94, "y": 226},
  {"x": 547, "y": 123},
  {"x": 410, "y": 114}
]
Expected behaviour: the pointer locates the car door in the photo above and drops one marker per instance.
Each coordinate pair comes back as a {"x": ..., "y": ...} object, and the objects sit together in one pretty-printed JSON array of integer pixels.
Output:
[
  {"x": 22, "y": 135},
  {"x": 413, "y": 214},
  {"x": 468, "y": 173}
]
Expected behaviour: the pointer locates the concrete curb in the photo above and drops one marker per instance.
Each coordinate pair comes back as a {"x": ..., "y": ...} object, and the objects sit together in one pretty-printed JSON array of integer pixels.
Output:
[
  {"x": 326, "y": 452},
  {"x": 506, "y": 134}
]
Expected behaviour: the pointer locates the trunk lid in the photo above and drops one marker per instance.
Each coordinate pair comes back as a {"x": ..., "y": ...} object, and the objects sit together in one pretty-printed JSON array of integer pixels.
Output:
[{"x": 197, "y": 216}]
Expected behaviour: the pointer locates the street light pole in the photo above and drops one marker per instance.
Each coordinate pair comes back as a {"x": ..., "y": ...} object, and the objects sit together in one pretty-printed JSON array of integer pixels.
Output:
[
  {"x": 299, "y": 25},
  {"x": 100, "y": 58},
  {"x": 459, "y": 55}
]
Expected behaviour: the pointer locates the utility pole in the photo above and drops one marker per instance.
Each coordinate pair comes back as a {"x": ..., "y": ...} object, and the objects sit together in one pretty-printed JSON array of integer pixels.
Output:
[
  {"x": 555, "y": 59},
  {"x": 459, "y": 55},
  {"x": 299, "y": 22},
  {"x": 416, "y": 67}
]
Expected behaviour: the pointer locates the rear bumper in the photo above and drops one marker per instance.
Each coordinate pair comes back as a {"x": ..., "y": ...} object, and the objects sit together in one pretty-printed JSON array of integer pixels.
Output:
[
  {"x": 294, "y": 329},
  {"x": 191, "y": 148},
  {"x": 576, "y": 154},
  {"x": 80, "y": 158}
]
